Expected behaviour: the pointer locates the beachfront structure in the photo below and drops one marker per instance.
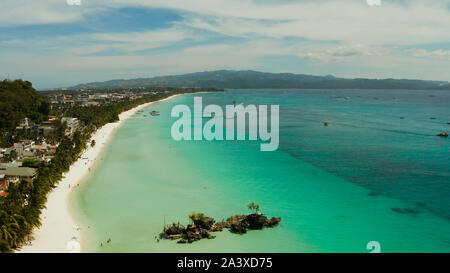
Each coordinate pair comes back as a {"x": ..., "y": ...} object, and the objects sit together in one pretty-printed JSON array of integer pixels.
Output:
[
  {"x": 15, "y": 174},
  {"x": 72, "y": 125}
]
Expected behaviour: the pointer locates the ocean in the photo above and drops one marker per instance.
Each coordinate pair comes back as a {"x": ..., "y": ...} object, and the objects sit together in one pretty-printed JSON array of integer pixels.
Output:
[{"x": 377, "y": 172}]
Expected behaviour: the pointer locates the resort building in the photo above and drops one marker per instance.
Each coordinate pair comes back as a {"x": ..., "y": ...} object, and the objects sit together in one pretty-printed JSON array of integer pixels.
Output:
[
  {"x": 24, "y": 122},
  {"x": 25, "y": 148},
  {"x": 72, "y": 125},
  {"x": 44, "y": 129},
  {"x": 15, "y": 174}
]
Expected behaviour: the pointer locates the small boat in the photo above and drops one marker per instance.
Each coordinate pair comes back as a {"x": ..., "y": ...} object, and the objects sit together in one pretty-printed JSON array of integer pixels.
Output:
[
  {"x": 325, "y": 123},
  {"x": 443, "y": 134},
  {"x": 154, "y": 113}
]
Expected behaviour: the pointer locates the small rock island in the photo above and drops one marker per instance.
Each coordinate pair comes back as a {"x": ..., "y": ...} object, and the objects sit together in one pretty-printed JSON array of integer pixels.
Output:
[{"x": 202, "y": 226}]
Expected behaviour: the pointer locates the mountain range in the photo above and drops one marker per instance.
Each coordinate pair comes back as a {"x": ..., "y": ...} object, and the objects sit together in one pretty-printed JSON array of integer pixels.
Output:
[{"x": 231, "y": 79}]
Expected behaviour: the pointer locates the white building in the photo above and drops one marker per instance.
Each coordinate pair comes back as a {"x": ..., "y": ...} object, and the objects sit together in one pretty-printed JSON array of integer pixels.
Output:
[
  {"x": 24, "y": 122},
  {"x": 72, "y": 124},
  {"x": 24, "y": 148}
]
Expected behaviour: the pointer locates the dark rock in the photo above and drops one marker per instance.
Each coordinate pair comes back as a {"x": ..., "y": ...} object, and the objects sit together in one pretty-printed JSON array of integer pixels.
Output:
[
  {"x": 201, "y": 229},
  {"x": 234, "y": 220},
  {"x": 174, "y": 229},
  {"x": 204, "y": 233},
  {"x": 191, "y": 228},
  {"x": 205, "y": 222},
  {"x": 273, "y": 221},
  {"x": 193, "y": 236},
  {"x": 238, "y": 228},
  {"x": 173, "y": 232},
  {"x": 255, "y": 221},
  {"x": 217, "y": 227}
]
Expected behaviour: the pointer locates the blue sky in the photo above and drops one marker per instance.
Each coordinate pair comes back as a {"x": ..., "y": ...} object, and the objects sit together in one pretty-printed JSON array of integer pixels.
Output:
[{"x": 54, "y": 44}]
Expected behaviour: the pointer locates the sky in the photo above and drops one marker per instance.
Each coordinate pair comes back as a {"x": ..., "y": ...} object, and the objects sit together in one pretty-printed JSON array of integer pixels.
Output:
[{"x": 58, "y": 43}]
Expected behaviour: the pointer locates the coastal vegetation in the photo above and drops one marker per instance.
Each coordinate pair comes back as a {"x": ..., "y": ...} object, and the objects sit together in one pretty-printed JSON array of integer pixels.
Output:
[
  {"x": 20, "y": 210},
  {"x": 18, "y": 99},
  {"x": 201, "y": 226},
  {"x": 253, "y": 207}
]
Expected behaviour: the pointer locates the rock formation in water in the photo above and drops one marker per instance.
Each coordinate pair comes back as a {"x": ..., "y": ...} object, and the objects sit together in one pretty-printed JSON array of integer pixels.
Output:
[{"x": 202, "y": 227}]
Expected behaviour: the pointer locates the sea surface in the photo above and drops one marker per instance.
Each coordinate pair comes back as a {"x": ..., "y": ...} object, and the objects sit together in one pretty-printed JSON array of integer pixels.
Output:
[{"x": 377, "y": 172}]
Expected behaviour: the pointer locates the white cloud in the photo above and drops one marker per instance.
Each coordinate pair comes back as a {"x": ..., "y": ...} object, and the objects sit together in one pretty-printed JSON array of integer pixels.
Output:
[
  {"x": 134, "y": 41},
  {"x": 26, "y": 12},
  {"x": 362, "y": 37},
  {"x": 422, "y": 53},
  {"x": 332, "y": 53},
  {"x": 345, "y": 21},
  {"x": 393, "y": 23}
]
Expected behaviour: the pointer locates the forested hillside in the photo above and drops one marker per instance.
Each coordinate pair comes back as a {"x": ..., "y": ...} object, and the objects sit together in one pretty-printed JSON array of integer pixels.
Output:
[
  {"x": 260, "y": 80},
  {"x": 18, "y": 99}
]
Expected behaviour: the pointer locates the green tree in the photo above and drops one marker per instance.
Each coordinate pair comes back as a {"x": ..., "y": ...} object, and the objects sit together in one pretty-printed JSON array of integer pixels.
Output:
[
  {"x": 196, "y": 216},
  {"x": 93, "y": 143},
  {"x": 4, "y": 247},
  {"x": 253, "y": 207}
]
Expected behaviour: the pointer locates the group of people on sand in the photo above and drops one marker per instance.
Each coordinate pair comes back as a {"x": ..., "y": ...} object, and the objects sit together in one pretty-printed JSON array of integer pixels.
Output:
[{"x": 107, "y": 241}]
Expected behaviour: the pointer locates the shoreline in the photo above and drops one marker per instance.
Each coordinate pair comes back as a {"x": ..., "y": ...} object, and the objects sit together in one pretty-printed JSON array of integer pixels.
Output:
[{"x": 60, "y": 232}]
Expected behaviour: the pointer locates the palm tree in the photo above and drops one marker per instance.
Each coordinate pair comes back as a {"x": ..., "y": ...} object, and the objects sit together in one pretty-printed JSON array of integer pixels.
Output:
[
  {"x": 4, "y": 247},
  {"x": 7, "y": 231},
  {"x": 11, "y": 231},
  {"x": 196, "y": 216},
  {"x": 253, "y": 207}
]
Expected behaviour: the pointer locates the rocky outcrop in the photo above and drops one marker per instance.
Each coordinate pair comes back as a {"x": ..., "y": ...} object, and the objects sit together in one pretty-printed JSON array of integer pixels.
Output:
[
  {"x": 202, "y": 228},
  {"x": 206, "y": 222},
  {"x": 254, "y": 221}
]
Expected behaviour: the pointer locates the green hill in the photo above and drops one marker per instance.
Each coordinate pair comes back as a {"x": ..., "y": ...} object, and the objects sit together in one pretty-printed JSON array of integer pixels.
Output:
[
  {"x": 260, "y": 80},
  {"x": 18, "y": 99}
]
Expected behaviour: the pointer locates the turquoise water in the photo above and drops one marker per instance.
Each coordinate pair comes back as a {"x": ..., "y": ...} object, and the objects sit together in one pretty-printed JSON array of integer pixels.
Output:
[{"x": 335, "y": 187}]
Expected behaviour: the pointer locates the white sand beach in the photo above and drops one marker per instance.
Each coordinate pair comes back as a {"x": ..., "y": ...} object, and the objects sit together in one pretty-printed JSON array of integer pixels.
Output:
[{"x": 59, "y": 232}]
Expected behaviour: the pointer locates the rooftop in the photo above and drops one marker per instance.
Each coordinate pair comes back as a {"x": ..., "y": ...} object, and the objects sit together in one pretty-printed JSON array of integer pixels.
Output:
[{"x": 19, "y": 171}]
